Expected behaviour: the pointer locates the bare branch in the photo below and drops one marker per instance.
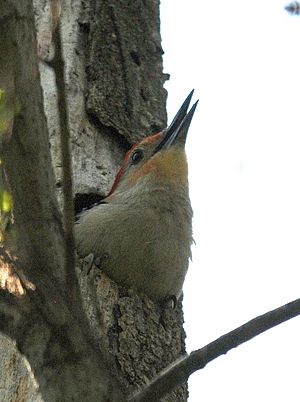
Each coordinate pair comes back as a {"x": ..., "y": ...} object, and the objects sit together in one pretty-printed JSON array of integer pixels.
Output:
[
  {"x": 36, "y": 235},
  {"x": 180, "y": 371},
  {"x": 68, "y": 207},
  {"x": 47, "y": 320}
]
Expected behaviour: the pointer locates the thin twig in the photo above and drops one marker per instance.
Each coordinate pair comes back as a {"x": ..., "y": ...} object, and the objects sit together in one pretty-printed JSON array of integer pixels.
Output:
[
  {"x": 68, "y": 207},
  {"x": 179, "y": 371}
]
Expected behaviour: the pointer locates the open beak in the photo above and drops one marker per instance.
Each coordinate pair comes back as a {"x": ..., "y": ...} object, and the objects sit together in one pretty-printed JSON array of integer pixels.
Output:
[{"x": 177, "y": 131}]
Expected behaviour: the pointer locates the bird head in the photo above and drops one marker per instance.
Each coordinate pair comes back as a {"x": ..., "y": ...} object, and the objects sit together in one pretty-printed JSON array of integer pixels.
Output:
[{"x": 159, "y": 156}]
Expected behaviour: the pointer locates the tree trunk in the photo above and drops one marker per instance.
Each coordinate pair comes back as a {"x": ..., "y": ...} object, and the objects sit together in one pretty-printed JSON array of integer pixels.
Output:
[{"x": 115, "y": 94}]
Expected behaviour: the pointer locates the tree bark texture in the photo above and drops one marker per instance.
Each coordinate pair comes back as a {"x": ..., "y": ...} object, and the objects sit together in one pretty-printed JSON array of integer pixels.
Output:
[{"x": 114, "y": 80}]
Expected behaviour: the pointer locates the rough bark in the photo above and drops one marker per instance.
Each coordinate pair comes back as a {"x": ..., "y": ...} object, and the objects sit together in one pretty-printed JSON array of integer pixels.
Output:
[
  {"x": 124, "y": 70},
  {"x": 142, "y": 337},
  {"x": 115, "y": 96}
]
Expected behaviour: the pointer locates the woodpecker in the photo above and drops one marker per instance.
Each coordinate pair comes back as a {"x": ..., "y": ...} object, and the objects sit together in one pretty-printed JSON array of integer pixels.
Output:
[{"x": 142, "y": 231}]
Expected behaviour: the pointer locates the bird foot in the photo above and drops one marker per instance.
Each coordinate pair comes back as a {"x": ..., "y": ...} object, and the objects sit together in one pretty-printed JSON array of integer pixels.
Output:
[
  {"x": 169, "y": 301},
  {"x": 88, "y": 262},
  {"x": 91, "y": 260}
]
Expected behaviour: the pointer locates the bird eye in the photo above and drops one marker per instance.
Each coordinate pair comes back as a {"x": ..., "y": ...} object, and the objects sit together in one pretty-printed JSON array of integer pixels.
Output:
[{"x": 137, "y": 156}]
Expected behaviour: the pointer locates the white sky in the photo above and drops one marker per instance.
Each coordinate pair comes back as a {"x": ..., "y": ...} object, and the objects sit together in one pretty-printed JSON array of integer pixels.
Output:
[{"x": 243, "y": 59}]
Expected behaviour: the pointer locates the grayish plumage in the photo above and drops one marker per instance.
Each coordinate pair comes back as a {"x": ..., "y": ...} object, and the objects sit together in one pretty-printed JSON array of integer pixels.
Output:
[{"x": 142, "y": 235}]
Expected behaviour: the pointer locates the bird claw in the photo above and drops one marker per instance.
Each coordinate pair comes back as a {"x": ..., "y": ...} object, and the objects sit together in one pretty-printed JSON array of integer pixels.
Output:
[
  {"x": 91, "y": 260},
  {"x": 169, "y": 301},
  {"x": 88, "y": 262}
]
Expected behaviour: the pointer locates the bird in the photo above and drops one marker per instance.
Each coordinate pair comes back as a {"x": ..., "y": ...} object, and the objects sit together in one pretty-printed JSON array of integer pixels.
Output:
[
  {"x": 293, "y": 8},
  {"x": 141, "y": 233}
]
